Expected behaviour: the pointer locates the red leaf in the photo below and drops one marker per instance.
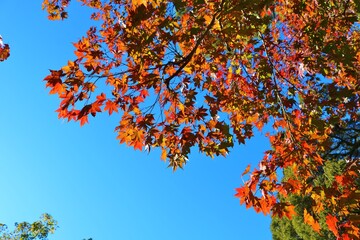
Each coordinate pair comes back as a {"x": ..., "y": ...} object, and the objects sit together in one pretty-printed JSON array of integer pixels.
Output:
[
  {"x": 111, "y": 107},
  {"x": 331, "y": 221},
  {"x": 58, "y": 88},
  {"x": 83, "y": 120}
]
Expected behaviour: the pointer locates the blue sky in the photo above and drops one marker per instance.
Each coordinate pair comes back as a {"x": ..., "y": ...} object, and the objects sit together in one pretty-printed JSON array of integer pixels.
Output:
[{"x": 92, "y": 185}]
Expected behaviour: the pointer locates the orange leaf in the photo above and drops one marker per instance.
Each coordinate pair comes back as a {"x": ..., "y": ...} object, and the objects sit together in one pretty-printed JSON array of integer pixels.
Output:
[
  {"x": 331, "y": 222},
  {"x": 58, "y": 88},
  {"x": 290, "y": 211},
  {"x": 247, "y": 169},
  {"x": 111, "y": 107},
  {"x": 138, "y": 145},
  {"x": 83, "y": 120},
  {"x": 311, "y": 221},
  {"x": 137, "y": 139},
  {"x": 139, "y": 2},
  {"x": 163, "y": 154}
]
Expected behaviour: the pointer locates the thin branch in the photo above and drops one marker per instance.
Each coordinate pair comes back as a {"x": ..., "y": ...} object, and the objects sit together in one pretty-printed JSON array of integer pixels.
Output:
[
  {"x": 286, "y": 117},
  {"x": 187, "y": 59}
]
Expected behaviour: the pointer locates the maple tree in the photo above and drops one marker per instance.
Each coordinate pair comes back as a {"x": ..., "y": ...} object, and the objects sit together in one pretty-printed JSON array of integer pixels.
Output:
[{"x": 206, "y": 73}]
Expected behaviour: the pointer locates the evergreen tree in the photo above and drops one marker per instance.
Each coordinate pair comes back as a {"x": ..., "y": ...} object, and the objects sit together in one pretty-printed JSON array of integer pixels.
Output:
[{"x": 344, "y": 151}]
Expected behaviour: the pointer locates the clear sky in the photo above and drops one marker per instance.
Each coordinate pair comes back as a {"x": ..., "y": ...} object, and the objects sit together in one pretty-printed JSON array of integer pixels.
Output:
[{"x": 92, "y": 185}]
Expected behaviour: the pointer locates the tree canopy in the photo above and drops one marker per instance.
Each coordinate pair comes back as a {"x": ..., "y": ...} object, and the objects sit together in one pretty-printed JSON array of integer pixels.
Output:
[
  {"x": 206, "y": 74},
  {"x": 38, "y": 230}
]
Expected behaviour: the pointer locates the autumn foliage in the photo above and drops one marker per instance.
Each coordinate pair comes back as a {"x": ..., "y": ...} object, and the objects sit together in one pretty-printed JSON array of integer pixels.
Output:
[
  {"x": 4, "y": 50},
  {"x": 345, "y": 148},
  {"x": 207, "y": 73}
]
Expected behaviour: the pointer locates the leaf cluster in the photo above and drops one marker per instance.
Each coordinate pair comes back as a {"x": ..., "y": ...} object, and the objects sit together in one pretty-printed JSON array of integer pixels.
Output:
[
  {"x": 38, "y": 230},
  {"x": 206, "y": 74}
]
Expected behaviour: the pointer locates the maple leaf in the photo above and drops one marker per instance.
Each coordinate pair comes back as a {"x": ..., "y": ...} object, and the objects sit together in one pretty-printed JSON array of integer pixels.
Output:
[
  {"x": 289, "y": 211},
  {"x": 331, "y": 221},
  {"x": 95, "y": 108},
  {"x": 111, "y": 107},
  {"x": 57, "y": 88},
  {"x": 137, "y": 139},
  {"x": 163, "y": 154},
  {"x": 83, "y": 120},
  {"x": 309, "y": 219}
]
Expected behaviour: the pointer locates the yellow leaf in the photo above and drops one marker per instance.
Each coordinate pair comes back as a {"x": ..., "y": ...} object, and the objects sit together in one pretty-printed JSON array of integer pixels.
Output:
[
  {"x": 207, "y": 19},
  {"x": 66, "y": 69},
  {"x": 252, "y": 118},
  {"x": 311, "y": 221},
  {"x": 163, "y": 154},
  {"x": 217, "y": 25},
  {"x": 188, "y": 70},
  {"x": 181, "y": 107},
  {"x": 139, "y": 2},
  {"x": 137, "y": 111},
  {"x": 223, "y": 152},
  {"x": 163, "y": 142}
]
